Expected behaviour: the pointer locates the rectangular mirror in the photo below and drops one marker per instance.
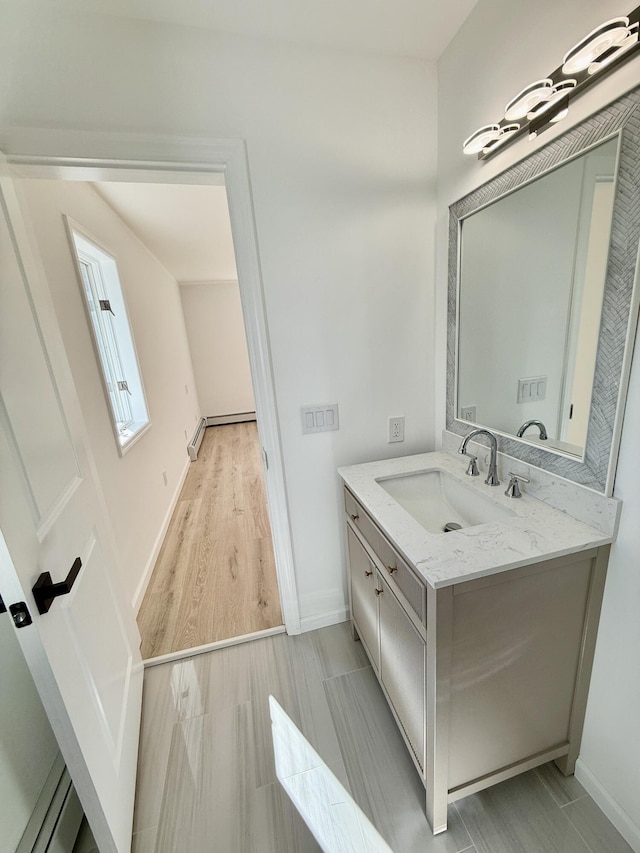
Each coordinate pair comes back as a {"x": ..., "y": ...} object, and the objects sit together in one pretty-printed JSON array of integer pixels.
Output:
[
  {"x": 530, "y": 288},
  {"x": 541, "y": 310}
]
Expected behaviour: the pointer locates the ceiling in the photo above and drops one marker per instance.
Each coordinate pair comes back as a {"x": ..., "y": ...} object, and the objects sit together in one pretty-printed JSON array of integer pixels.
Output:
[
  {"x": 416, "y": 28},
  {"x": 186, "y": 227}
]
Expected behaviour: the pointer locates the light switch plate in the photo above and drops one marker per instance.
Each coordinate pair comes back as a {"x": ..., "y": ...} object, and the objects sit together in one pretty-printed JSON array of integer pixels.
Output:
[
  {"x": 532, "y": 388},
  {"x": 320, "y": 418}
]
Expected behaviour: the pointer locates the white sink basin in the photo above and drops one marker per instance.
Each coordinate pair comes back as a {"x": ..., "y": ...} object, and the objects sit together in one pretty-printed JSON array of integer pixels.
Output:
[{"x": 435, "y": 499}]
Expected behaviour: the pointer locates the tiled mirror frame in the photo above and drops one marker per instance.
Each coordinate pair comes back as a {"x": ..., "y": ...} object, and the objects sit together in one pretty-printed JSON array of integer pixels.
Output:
[{"x": 619, "y": 311}]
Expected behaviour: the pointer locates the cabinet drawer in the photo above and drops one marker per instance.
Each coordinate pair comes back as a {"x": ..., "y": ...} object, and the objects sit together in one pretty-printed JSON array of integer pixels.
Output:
[
  {"x": 361, "y": 520},
  {"x": 403, "y": 577}
]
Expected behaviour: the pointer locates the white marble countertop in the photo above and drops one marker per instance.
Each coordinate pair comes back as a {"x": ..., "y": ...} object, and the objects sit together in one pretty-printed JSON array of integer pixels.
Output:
[{"x": 536, "y": 531}]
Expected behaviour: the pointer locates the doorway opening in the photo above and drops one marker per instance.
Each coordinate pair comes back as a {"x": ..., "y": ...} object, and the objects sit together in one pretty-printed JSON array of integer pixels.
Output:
[
  {"x": 249, "y": 428},
  {"x": 214, "y": 580}
]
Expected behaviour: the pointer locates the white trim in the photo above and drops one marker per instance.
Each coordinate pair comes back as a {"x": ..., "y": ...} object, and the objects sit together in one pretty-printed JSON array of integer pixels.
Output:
[
  {"x": 212, "y": 647},
  {"x": 629, "y": 830},
  {"x": 323, "y": 620},
  {"x": 157, "y": 545},
  {"x": 253, "y": 308},
  {"x": 93, "y": 156}
]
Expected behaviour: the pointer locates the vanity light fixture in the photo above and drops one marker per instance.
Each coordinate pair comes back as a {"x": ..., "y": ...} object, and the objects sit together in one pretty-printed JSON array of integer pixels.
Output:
[
  {"x": 528, "y": 99},
  {"x": 615, "y": 54},
  {"x": 543, "y": 103},
  {"x": 558, "y": 93},
  {"x": 608, "y": 37},
  {"x": 506, "y": 131},
  {"x": 481, "y": 138}
]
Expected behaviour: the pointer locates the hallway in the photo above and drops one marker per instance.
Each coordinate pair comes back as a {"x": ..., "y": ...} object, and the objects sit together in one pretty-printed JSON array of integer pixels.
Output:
[{"x": 215, "y": 575}]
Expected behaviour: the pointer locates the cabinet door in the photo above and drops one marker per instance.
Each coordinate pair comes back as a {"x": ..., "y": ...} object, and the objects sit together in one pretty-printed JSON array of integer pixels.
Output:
[
  {"x": 364, "y": 605},
  {"x": 402, "y": 669}
]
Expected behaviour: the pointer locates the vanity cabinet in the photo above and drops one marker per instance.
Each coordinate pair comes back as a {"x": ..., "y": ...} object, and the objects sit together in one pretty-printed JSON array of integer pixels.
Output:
[
  {"x": 486, "y": 677},
  {"x": 388, "y": 626}
]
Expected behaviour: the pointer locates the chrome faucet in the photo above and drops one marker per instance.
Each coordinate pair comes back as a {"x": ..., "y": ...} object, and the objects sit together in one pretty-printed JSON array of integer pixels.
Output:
[
  {"x": 492, "y": 475},
  {"x": 541, "y": 428}
]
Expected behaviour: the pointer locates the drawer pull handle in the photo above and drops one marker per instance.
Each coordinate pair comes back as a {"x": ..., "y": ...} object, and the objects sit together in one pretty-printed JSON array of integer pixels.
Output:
[
  {"x": 354, "y": 517},
  {"x": 392, "y": 569},
  {"x": 378, "y": 591},
  {"x": 367, "y": 574}
]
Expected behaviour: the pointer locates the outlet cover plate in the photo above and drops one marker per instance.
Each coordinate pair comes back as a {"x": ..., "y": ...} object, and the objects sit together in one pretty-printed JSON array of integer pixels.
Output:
[
  {"x": 468, "y": 413},
  {"x": 396, "y": 429}
]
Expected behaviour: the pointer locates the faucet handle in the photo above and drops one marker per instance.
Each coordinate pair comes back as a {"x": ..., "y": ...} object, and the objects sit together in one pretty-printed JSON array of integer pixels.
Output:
[
  {"x": 513, "y": 489},
  {"x": 472, "y": 468}
]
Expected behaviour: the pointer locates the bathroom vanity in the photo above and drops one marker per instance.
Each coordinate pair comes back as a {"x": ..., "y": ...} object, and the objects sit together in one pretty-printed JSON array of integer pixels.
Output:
[{"x": 481, "y": 638}]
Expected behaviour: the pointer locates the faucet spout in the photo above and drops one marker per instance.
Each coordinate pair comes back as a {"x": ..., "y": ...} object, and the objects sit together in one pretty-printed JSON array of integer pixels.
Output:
[
  {"x": 541, "y": 429},
  {"x": 492, "y": 474}
]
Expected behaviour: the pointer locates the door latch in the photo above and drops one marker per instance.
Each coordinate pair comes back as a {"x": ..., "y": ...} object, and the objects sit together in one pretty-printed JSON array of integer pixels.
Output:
[
  {"x": 20, "y": 614},
  {"x": 45, "y": 590}
]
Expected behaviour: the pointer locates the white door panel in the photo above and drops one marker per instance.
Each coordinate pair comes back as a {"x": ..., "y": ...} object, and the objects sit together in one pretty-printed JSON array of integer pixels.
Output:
[
  {"x": 46, "y": 455},
  {"x": 84, "y": 652}
]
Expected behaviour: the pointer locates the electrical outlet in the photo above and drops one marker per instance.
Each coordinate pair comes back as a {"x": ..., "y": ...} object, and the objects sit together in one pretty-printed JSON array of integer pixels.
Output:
[
  {"x": 468, "y": 413},
  {"x": 396, "y": 429}
]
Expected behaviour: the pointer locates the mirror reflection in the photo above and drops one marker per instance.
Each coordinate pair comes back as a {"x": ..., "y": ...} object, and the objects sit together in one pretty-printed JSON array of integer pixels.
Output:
[{"x": 532, "y": 270}]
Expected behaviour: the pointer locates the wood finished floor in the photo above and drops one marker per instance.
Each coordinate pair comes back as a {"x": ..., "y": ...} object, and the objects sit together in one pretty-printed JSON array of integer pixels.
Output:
[
  {"x": 206, "y": 778},
  {"x": 215, "y": 576}
]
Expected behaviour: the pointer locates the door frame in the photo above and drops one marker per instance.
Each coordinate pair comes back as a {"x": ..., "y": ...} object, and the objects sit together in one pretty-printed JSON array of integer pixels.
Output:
[{"x": 102, "y": 156}]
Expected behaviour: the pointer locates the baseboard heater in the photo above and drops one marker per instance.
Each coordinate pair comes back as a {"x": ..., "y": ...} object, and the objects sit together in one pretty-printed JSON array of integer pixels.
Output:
[
  {"x": 194, "y": 445},
  {"x": 235, "y": 418}
]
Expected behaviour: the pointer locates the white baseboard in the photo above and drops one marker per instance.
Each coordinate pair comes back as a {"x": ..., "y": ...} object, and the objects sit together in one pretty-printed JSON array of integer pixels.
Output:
[
  {"x": 157, "y": 545},
  {"x": 629, "y": 830},
  {"x": 237, "y": 418},
  {"x": 323, "y": 620}
]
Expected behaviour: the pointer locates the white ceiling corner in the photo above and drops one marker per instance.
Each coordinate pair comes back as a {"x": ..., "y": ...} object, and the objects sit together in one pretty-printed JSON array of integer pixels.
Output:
[
  {"x": 406, "y": 28},
  {"x": 186, "y": 227}
]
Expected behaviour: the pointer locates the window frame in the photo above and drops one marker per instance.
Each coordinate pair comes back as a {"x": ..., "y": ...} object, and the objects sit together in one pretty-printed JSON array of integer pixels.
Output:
[{"x": 112, "y": 339}]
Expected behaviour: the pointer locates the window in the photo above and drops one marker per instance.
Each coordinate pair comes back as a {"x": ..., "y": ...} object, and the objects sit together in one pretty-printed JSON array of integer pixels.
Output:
[{"x": 104, "y": 302}]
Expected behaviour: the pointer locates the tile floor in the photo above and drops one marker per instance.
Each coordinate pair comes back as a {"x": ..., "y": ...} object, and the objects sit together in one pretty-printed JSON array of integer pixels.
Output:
[{"x": 207, "y": 783}]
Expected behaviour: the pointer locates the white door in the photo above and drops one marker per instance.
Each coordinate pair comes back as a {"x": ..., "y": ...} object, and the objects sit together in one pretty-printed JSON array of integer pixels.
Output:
[{"x": 84, "y": 652}]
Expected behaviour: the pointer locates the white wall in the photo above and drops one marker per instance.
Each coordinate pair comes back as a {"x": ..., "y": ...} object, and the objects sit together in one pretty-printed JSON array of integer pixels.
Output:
[
  {"x": 342, "y": 154},
  {"x": 133, "y": 484},
  {"x": 218, "y": 346},
  {"x": 472, "y": 92}
]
